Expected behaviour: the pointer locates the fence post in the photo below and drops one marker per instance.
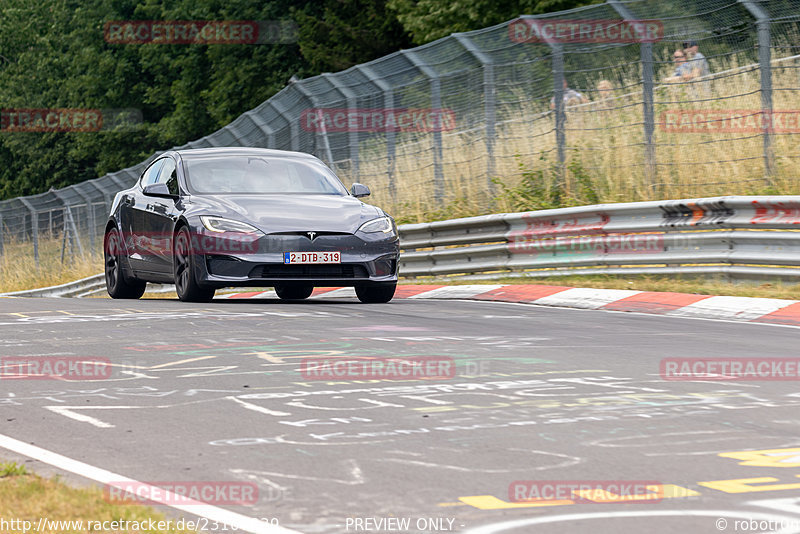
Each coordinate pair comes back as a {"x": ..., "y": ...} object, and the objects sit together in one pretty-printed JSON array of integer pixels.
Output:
[
  {"x": 388, "y": 104},
  {"x": 90, "y": 209},
  {"x": 352, "y": 135},
  {"x": 765, "y": 67},
  {"x": 1, "y": 234},
  {"x": 489, "y": 104},
  {"x": 294, "y": 128},
  {"x": 561, "y": 117},
  {"x": 108, "y": 200},
  {"x": 34, "y": 229},
  {"x": 436, "y": 103},
  {"x": 648, "y": 102},
  {"x": 263, "y": 126},
  {"x": 323, "y": 132}
]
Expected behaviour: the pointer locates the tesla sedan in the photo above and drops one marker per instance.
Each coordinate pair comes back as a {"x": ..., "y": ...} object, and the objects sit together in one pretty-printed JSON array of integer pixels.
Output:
[{"x": 205, "y": 219}]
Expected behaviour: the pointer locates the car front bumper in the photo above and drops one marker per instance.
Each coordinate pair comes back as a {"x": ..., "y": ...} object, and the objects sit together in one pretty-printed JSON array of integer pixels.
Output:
[{"x": 261, "y": 262}]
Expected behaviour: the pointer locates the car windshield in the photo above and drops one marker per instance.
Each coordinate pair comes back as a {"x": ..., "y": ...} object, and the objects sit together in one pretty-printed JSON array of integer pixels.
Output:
[{"x": 260, "y": 175}]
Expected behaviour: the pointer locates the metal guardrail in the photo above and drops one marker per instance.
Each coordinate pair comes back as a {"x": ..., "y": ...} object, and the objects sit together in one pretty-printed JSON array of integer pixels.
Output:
[
  {"x": 756, "y": 237},
  {"x": 740, "y": 237},
  {"x": 79, "y": 288}
]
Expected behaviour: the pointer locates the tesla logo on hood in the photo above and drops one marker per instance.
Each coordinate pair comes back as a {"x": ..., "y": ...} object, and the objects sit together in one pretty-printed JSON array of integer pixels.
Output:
[{"x": 311, "y": 235}]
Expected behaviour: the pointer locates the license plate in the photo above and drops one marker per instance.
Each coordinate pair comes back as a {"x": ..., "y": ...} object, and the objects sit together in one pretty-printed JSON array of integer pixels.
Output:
[{"x": 312, "y": 257}]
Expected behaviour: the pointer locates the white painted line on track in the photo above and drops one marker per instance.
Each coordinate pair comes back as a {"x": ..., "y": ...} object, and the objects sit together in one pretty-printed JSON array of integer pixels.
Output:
[
  {"x": 259, "y": 409},
  {"x": 721, "y": 524},
  {"x": 66, "y": 412},
  {"x": 158, "y": 495}
]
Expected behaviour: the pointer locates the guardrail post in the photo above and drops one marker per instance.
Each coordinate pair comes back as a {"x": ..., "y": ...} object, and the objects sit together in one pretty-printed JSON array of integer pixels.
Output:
[
  {"x": 34, "y": 229},
  {"x": 352, "y": 135},
  {"x": 436, "y": 104},
  {"x": 489, "y": 104},
  {"x": 648, "y": 103},
  {"x": 388, "y": 104},
  {"x": 765, "y": 67}
]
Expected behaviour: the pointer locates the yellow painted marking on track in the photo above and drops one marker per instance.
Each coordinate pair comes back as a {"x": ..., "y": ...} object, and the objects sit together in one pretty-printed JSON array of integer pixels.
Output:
[
  {"x": 767, "y": 457},
  {"x": 658, "y": 492},
  {"x": 490, "y": 502},
  {"x": 65, "y": 312},
  {"x": 450, "y": 504},
  {"x": 745, "y": 485},
  {"x": 18, "y": 315}
]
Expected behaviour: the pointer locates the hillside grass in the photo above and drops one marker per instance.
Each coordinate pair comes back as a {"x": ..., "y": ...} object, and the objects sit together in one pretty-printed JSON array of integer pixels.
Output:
[
  {"x": 604, "y": 157},
  {"x": 18, "y": 269}
]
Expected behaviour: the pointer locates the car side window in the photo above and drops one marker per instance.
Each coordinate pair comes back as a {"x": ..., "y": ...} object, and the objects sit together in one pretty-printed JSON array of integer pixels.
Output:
[
  {"x": 169, "y": 176},
  {"x": 151, "y": 174}
]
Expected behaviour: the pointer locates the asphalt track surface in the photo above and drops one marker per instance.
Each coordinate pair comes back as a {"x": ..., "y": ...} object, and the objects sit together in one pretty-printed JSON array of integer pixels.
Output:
[{"x": 214, "y": 393}]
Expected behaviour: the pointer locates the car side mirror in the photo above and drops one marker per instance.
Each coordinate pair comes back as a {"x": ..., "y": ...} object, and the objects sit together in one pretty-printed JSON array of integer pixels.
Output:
[
  {"x": 359, "y": 190},
  {"x": 158, "y": 190}
]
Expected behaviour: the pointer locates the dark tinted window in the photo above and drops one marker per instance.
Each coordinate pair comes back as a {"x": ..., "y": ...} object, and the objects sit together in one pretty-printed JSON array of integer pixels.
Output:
[
  {"x": 259, "y": 175},
  {"x": 169, "y": 176},
  {"x": 151, "y": 174}
]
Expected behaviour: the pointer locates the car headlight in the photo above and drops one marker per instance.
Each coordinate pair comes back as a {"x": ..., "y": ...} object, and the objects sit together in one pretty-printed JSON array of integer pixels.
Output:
[
  {"x": 220, "y": 225},
  {"x": 384, "y": 224}
]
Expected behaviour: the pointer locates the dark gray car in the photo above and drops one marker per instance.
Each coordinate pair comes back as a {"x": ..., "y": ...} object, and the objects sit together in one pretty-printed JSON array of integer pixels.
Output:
[{"x": 210, "y": 218}]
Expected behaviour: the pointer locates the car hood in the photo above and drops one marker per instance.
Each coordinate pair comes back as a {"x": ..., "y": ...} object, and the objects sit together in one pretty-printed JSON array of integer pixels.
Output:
[{"x": 289, "y": 213}]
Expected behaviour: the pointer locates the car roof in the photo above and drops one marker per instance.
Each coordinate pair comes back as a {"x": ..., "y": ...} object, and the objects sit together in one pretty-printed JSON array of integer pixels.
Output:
[{"x": 241, "y": 151}]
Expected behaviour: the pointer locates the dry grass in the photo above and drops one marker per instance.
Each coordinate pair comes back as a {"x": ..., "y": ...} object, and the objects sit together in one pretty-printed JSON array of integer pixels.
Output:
[
  {"x": 29, "y": 497},
  {"x": 605, "y": 155},
  {"x": 18, "y": 270}
]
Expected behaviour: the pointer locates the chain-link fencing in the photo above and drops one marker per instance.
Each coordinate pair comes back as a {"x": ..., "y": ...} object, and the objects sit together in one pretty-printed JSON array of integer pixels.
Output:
[{"x": 622, "y": 101}]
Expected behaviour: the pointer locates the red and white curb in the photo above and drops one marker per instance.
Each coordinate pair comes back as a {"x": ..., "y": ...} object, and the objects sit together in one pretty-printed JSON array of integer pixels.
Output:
[{"x": 748, "y": 309}]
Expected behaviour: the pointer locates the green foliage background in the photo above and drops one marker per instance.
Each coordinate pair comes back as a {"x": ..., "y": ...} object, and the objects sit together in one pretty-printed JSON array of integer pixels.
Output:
[{"x": 53, "y": 55}]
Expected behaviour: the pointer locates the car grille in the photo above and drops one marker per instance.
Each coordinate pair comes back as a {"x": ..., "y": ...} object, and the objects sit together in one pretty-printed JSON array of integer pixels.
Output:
[{"x": 342, "y": 270}]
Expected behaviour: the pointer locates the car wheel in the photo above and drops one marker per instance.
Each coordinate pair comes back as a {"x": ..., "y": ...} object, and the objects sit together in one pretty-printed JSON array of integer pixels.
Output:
[
  {"x": 117, "y": 285},
  {"x": 376, "y": 294},
  {"x": 294, "y": 292},
  {"x": 183, "y": 263}
]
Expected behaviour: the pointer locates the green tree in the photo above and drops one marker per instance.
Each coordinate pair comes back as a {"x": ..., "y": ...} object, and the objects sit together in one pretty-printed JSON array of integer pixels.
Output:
[
  {"x": 428, "y": 20},
  {"x": 337, "y": 34}
]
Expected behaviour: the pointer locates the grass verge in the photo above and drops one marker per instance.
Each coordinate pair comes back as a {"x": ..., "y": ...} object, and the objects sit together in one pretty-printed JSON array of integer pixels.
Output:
[
  {"x": 19, "y": 271},
  {"x": 28, "y": 497}
]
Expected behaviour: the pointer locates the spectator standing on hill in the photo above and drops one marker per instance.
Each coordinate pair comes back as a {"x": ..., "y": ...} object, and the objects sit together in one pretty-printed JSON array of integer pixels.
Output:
[
  {"x": 571, "y": 97},
  {"x": 695, "y": 59},
  {"x": 683, "y": 70}
]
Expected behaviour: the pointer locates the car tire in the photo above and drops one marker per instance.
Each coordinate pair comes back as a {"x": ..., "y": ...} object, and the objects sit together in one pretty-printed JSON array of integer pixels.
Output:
[
  {"x": 376, "y": 294},
  {"x": 117, "y": 284},
  {"x": 294, "y": 292},
  {"x": 186, "y": 285}
]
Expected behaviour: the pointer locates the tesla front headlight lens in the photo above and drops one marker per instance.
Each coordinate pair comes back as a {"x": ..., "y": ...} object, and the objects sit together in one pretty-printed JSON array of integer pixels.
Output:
[
  {"x": 384, "y": 225},
  {"x": 220, "y": 225}
]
